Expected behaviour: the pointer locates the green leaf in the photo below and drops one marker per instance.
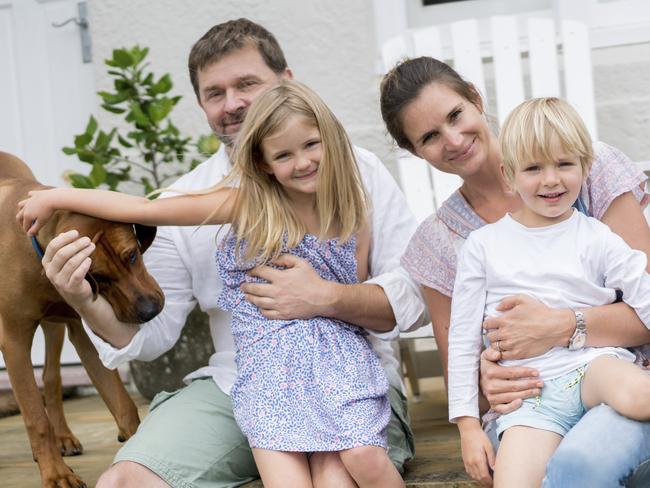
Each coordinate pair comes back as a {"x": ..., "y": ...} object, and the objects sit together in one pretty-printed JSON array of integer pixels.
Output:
[
  {"x": 122, "y": 58},
  {"x": 159, "y": 109},
  {"x": 82, "y": 140},
  {"x": 148, "y": 187},
  {"x": 91, "y": 127},
  {"x": 69, "y": 151},
  {"x": 114, "y": 110},
  {"x": 123, "y": 141},
  {"x": 112, "y": 180},
  {"x": 138, "y": 115},
  {"x": 80, "y": 181},
  {"x": 113, "y": 98},
  {"x": 163, "y": 85},
  {"x": 97, "y": 174},
  {"x": 139, "y": 54},
  {"x": 86, "y": 156}
]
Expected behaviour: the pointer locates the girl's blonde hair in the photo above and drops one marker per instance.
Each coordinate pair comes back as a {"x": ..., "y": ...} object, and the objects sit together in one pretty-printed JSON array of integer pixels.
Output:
[
  {"x": 262, "y": 216},
  {"x": 527, "y": 131}
]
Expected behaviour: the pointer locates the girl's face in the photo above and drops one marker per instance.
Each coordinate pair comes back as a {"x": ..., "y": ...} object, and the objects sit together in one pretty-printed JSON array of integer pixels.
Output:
[
  {"x": 548, "y": 188},
  {"x": 447, "y": 130},
  {"x": 293, "y": 154}
]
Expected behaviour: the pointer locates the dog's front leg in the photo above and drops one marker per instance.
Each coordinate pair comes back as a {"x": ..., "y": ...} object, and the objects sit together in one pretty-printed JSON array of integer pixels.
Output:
[
  {"x": 16, "y": 346},
  {"x": 66, "y": 441},
  {"x": 108, "y": 383}
]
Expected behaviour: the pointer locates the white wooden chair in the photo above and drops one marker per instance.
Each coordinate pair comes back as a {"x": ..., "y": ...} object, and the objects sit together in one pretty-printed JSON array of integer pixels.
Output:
[{"x": 553, "y": 60}]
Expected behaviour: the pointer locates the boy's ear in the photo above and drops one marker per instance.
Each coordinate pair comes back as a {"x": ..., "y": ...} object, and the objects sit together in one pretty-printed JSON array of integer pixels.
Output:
[{"x": 510, "y": 184}]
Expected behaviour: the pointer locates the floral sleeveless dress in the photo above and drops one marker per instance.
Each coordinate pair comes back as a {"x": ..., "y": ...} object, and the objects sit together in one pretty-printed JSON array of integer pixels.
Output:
[{"x": 303, "y": 385}]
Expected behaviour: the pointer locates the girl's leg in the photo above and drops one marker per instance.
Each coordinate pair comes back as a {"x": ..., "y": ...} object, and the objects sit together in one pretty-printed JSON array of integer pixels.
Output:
[
  {"x": 279, "y": 469},
  {"x": 371, "y": 467},
  {"x": 328, "y": 471},
  {"x": 620, "y": 384},
  {"x": 522, "y": 457}
]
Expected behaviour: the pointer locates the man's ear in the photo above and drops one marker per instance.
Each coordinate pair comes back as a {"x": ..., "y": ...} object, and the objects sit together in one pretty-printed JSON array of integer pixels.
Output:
[{"x": 287, "y": 74}]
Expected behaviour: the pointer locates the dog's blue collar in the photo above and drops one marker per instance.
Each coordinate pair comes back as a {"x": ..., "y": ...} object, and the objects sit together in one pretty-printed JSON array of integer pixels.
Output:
[{"x": 37, "y": 247}]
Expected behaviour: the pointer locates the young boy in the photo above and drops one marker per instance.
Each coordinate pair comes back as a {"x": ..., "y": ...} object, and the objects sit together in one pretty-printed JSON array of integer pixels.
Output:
[{"x": 549, "y": 250}]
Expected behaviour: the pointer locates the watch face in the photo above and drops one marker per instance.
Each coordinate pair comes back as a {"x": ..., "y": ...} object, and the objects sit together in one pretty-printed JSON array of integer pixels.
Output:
[{"x": 579, "y": 341}]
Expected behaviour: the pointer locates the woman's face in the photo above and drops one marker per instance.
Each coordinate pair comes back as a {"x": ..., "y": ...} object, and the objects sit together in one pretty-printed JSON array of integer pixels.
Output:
[{"x": 447, "y": 130}]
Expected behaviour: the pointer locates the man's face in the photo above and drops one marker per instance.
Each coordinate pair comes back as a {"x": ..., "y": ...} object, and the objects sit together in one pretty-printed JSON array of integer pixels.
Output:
[{"x": 228, "y": 87}]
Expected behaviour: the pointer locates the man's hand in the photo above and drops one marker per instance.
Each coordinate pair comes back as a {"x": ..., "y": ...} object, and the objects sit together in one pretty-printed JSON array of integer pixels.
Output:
[
  {"x": 296, "y": 292},
  {"x": 528, "y": 328},
  {"x": 66, "y": 262},
  {"x": 478, "y": 453},
  {"x": 506, "y": 387}
]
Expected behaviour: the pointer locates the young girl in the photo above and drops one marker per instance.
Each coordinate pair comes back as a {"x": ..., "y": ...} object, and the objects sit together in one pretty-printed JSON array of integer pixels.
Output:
[
  {"x": 303, "y": 386},
  {"x": 549, "y": 250}
]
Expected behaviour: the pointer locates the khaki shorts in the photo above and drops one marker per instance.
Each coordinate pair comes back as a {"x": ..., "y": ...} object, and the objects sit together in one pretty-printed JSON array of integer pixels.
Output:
[{"x": 190, "y": 438}]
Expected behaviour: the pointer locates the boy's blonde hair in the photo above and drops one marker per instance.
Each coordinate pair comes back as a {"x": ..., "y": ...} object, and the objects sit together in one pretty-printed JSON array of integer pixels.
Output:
[
  {"x": 262, "y": 215},
  {"x": 527, "y": 131}
]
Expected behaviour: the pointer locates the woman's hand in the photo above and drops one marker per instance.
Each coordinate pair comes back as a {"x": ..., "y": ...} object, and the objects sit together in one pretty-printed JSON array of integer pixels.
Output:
[
  {"x": 528, "y": 328},
  {"x": 478, "y": 453},
  {"x": 36, "y": 210},
  {"x": 505, "y": 387}
]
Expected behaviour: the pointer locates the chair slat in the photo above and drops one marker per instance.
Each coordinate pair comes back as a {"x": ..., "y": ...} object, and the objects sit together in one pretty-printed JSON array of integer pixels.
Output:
[
  {"x": 444, "y": 184},
  {"x": 578, "y": 79},
  {"x": 544, "y": 74},
  {"x": 467, "y": 52},
  {"x": 392, "y": 51},
  {"x": 416, "y": 185},
  {"x": 507, "y": 64},
  {"x": 426, "y": 42}
]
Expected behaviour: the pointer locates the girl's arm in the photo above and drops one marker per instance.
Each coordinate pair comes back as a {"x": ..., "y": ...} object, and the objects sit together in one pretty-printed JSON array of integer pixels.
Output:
[{"x": 214, "y": 207}]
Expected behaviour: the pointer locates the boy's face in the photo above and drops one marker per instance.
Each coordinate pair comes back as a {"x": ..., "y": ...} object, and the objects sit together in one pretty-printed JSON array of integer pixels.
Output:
[
  {"x": 548, "y": 189},
  {"x": 228, "y": 87}
]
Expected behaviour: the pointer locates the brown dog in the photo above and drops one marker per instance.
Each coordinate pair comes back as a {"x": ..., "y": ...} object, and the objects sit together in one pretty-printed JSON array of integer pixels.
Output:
[{"x": 27, "y": 298}]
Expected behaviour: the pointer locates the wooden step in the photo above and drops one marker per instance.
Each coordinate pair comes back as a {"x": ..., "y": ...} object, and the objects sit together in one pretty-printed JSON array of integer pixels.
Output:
[{"x": 437, "y": 462}]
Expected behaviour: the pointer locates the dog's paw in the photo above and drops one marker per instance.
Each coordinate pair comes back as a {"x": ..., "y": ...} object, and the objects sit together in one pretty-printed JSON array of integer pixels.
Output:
[{"x": 69, "y": 445}]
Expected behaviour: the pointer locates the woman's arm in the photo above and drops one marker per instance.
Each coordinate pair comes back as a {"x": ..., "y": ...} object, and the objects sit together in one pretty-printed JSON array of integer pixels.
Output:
[{"x": 209, "y": 208}]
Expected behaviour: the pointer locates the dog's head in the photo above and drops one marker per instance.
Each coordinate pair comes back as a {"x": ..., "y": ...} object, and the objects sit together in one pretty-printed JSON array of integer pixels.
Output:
[{"x": 117, "y": 271}]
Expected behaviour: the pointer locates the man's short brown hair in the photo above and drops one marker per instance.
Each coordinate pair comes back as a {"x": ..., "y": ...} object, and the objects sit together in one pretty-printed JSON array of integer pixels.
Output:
[{"x": 230, "y": 36}]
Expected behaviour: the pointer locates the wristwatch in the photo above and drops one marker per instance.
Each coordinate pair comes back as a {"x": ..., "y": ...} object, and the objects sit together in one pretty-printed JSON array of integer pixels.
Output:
[{"x": 579, "y": 337}]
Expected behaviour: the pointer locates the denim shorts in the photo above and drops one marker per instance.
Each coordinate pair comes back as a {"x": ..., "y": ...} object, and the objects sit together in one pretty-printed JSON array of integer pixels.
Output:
[{"x": 557, "y": 408}]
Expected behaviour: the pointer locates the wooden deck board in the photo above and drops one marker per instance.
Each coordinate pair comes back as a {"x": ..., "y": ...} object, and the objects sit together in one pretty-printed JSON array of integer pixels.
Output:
[{"x": 437, "y": 462}]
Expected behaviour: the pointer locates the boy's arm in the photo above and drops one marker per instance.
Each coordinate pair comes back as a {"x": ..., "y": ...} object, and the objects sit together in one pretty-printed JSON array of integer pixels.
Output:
[{"x": 206, "y": 208}]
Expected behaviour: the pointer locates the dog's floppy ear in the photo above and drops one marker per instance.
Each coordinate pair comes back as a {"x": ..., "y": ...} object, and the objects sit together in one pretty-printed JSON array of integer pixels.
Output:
[{"x": 145, "y": 235}]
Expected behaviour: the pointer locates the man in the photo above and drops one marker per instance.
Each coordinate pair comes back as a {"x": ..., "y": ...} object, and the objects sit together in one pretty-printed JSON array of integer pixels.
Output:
[{"x": 190, "y": 437}]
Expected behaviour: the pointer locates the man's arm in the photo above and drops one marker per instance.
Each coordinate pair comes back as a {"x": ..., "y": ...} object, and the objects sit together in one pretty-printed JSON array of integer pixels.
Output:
[
  {"x": 67, "y": 261},
  {"x": 390, "y": 297}
]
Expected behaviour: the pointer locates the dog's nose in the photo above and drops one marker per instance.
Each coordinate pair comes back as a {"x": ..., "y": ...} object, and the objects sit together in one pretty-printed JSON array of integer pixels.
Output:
[{"x": 147, "y": 308}]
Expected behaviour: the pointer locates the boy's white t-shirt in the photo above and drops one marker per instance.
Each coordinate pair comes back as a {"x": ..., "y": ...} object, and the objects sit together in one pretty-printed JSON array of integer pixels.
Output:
[{"x": 577, "y": 263}]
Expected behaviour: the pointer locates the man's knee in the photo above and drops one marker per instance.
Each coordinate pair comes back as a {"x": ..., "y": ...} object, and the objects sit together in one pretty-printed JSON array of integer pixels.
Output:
[{"x": 127, "y": 474}]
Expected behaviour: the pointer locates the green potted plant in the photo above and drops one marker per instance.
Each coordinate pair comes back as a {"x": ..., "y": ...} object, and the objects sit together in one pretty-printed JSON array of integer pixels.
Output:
[{"x": 150, "y": 154}]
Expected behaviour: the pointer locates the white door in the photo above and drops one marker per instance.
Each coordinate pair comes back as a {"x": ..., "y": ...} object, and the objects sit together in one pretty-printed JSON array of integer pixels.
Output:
[{"x": 47, "y": 93}]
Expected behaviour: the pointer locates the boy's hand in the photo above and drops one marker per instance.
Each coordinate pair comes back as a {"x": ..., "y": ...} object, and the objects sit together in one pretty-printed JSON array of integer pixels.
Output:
[
  {"x": 478, "y": 453},
  {"x": 35, "y": 210}
]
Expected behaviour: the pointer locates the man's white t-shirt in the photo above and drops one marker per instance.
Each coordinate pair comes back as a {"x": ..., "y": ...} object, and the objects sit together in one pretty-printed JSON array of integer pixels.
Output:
[{"x": 182, "y": 260}]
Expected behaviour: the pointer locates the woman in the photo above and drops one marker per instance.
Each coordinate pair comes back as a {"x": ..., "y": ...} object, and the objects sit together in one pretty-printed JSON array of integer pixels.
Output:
[{"x": 436, "y": 115}]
